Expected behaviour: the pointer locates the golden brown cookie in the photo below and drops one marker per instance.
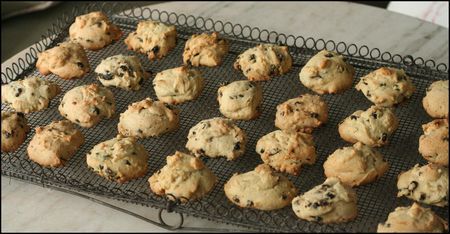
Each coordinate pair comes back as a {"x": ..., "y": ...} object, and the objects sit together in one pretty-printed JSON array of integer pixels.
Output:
[
  {"x": 433, "y": 144},
  {"x": 94, "y": 31},
  {"x": 205, "y": 50},
  {"x": 303, "y": 113},
  {"x": 260, "y": 189},
  {"x": 264, "y": 62},
  {"x": 184, "y": 177},
  {"x": 53, "y": 145}
]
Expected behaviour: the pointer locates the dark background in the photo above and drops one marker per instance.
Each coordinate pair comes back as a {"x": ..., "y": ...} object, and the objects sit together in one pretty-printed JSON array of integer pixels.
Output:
[{"x": 19, "y": 32}]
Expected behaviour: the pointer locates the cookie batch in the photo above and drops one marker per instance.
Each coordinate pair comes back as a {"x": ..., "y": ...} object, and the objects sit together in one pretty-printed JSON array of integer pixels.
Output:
[{"x": 283, "y": 152}]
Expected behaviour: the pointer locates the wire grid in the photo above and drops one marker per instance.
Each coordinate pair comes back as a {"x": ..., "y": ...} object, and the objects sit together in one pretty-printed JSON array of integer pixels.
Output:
[{"x": 375, "y": 200}]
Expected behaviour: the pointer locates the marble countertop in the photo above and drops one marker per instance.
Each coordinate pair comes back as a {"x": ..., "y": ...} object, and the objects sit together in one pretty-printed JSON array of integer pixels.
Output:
[{"x": 27, "y": 207}]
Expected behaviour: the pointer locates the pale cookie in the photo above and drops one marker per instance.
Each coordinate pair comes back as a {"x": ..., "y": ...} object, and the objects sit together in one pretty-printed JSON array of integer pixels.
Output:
[
  {"x": 386, "y": 86},
  {"x": 287, "y": 151},
  {"x": 94, "y": 31},
  {"x": 264, "y": 61},
  {"x": 53, "y": 145},
  {"x": 148, "y": 118},
  {"x": 372, "y": 127},
  {"x": 413, "y": 219},
  {"x": 30, "y": 94},
  {"x": 433, "y": 144},
  {"x": 355, "y": 165},
  {"x": 87, "y": 105},
  {"x": 14, "y": 130},
  {"x": 327, "y": 72},
  {"x": 152, "y": 38},
  {"x": 427, "y": 184},
  {"x": 119, "y": 159},
  {"x": 66, "y": 60},
  {"x": 303, "y": 113},
  {"x": 178, "y": 85},
  {"x": 330, "y": 202},
  {"x": 435, "y": 101},
  {"x": 240, "y": 100},
  {"x": 260, "y": 189},
  {"x": 205, "y": 50},
  {"x": 217, "y": 137},
  {"x": 125, "y": 72},
  {"x": 185, "y": 177}
]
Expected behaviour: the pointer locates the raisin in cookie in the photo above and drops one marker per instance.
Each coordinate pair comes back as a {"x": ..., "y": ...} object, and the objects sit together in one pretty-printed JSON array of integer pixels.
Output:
[
  {"x": 386, "y": 86},
  {"x": 148, "y": 118},
  {"x": 217, "y": 137},
  {"x": 427, "y": 184},
  {"x": 240, "y": 100},
  {"x": 178, "y": 85},
  {"x": 205, "y": 50},
  {"x": 260, "y": 189},
  {"x": 327, "y": 72},
  {"x": 66, "y": 60},
  {"x": 53, "y": 145},
  {"x": 287, "y": 151},
  {"x": 152, "y": 38},
  {"x": 264, "y": 61},
  {"x": 435, "y": 101},
  {"x": 30, "y": 94},
  {"x": 14, "y": 130},
  {"x": 433, "y": 144},
  {"x": 119, "y": 159},
  {"x": 355, "y": 165},
  {"x": 184, "y": 177},
  {"x": 87, "y": 105},
  {"x": 413, "y": 219},
  {"x": 94, "y": 31},
  {"x": 330, "y": 202},
  {"x": 303, "y": 113},
  {"x": 125, "y": 72},
  {"x": 371, "y": 127}
]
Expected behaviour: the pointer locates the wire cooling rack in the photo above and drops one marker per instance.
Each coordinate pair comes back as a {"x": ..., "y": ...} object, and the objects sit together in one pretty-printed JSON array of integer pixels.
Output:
[{"x": 375, "y": 200}]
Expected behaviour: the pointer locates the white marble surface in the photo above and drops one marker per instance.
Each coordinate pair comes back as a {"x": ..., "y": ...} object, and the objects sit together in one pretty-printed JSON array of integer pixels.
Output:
[{"x": 27, "y": 207}]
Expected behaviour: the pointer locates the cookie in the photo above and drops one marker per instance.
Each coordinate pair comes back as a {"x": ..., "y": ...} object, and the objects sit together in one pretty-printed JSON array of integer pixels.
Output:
[
  {"x": 152, "y": 38},
  {"x": 260, "y": 189},
  {"x": 148, "y": 118},
  {"x": 184, "y": 177},
  {"x": 327, "y": 72},
  {"x": 119, "y": 159},
  {"x": 287, "y": 151},
  {"x": 372, "y": 127},
  {"x": 205, "y": 50},
  {"x": 121, "y": 71},
  {"x": 433, "y": 144},
  {"x": 303, "y": 113},
  {"x": 217, "y": 137},
  {"x": 178, "y": 85},
  {"x": 264, "y": 61},
  {"x": 240, "y": 100},
  {"x": 330, "y": 202},
  {"x": 30, "y": 94},
  {"x": 435, "y": 101},
  {"x": 386, "y": 86},
  {"x": 53, "y": 145},
  {"x": 14, "y": 130},
  {"x": 355, "y": 165},
  {"x": 87, "y": 105},
  {"x": 413, "y": 219},
  {"x": 94, "y": 31},
  {"x": 66, "y": 60},
  {"x": 426, "y": 184}
]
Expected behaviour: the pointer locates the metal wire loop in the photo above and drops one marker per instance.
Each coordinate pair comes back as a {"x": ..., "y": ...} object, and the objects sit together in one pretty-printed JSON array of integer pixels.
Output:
[{"x": 174, "y": 227}]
